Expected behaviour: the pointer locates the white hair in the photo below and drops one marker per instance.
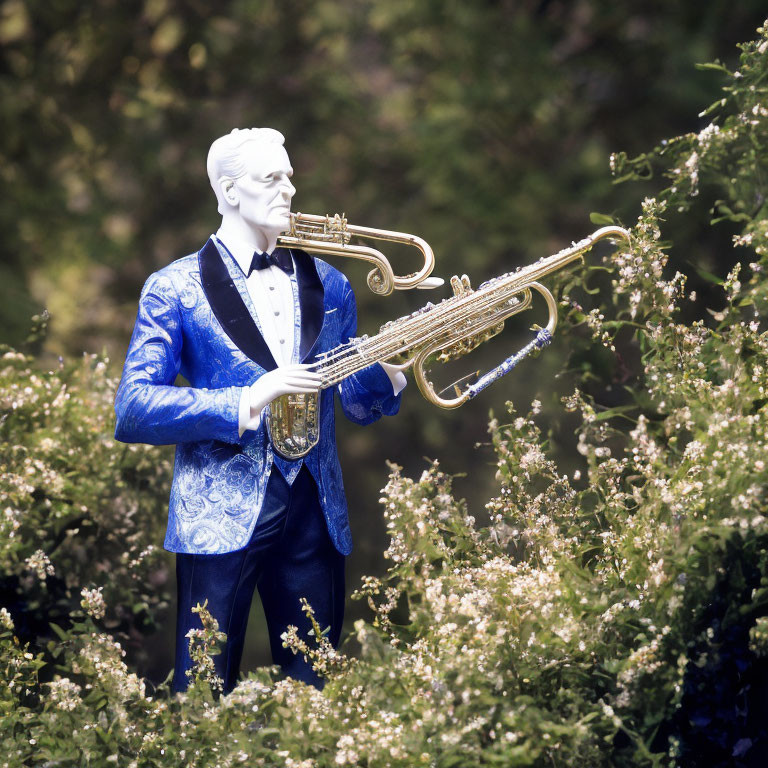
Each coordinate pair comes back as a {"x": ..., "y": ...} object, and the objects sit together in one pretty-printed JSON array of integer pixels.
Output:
[{"x": 225, "y": 157}]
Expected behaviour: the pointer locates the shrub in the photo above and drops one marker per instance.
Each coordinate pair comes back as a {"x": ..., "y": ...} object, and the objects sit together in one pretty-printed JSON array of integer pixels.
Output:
[{"x": 79, "y": 511}]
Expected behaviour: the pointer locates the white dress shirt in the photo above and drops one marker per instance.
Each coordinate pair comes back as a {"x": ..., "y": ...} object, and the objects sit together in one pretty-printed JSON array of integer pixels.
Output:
[{"x": 271, "y": 292}]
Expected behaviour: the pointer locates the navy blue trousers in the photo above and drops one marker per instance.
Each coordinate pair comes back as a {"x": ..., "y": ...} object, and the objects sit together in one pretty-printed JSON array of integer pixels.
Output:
[{"x": 290, "y": 555}]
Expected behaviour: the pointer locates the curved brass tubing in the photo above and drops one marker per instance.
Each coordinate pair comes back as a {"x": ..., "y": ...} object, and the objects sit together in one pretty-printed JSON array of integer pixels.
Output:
[
  {"x": 426, "y": 387},
  {"x": 332, "y": 235},
  {"x": 551, "y": 305}
]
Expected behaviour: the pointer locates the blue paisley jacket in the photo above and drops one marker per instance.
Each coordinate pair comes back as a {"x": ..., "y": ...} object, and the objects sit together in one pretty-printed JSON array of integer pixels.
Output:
[{"x": 196, "y": 318}]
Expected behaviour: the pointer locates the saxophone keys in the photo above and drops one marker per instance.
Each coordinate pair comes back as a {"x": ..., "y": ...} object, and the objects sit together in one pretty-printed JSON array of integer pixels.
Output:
[{"x": 456, "y": 285}]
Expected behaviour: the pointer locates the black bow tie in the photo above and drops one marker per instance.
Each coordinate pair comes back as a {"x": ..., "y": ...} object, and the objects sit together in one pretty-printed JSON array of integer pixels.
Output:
[{"x": 278, "y": 258}]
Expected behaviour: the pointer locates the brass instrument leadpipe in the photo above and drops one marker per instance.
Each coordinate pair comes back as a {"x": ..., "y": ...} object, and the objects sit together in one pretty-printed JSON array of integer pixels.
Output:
[
  {"x": 380, "y": 348},
  {"x": 402, "y": 338},
  {"x": 392, "y": 342},
  {"x": 406, "y": 332},
  {"x": 376, "y": 347},
  {"x": 471, "y": 303},
  {"x": 388, "y": 343},
  {"x": 385, "y": 345}
]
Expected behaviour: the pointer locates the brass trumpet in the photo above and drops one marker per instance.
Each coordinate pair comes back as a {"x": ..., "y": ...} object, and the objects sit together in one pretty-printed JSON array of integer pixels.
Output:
[
  {"x": 333, "y": 235},
  {"x": 448, "y": 330}
]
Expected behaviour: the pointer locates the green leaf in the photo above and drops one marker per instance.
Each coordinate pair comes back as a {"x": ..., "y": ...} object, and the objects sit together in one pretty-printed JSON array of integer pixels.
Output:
[
  {"x": 62, "y": 635},
  {"x": 619, "y": 410},
  {"x": 601, "y": 219},
  {"x": 708, "y": 276},
  {"x": 716, "y": 65}
]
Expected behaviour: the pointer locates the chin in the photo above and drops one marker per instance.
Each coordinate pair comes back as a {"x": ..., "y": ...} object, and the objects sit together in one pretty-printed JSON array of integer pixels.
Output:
[{"x": 281, "y": 220}]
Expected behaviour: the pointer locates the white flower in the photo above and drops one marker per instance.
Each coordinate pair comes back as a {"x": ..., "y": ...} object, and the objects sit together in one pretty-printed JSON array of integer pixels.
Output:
[
  {"x": 93, "y": 602},
  {"x": 5, "y": 619},
  {"x": 40, "y": 564},
  {"x": 64, "y": 693}
]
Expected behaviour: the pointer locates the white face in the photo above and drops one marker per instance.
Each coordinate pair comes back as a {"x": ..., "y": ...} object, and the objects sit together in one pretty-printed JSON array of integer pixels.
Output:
[{"x": 265, "y": 191}]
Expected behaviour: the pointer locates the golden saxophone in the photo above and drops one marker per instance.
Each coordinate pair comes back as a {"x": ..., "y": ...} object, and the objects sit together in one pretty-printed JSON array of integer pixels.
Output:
[{"x": 449, "y": 329}]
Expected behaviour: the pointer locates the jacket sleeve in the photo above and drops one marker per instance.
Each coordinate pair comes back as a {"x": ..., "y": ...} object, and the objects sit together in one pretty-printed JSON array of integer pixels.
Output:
[
  {"x": 366, "y": 395},
  {"x": 148, "y": 407}
]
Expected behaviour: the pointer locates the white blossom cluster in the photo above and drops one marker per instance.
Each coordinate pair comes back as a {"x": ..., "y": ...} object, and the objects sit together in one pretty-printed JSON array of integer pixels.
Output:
[
  {"x": 93, "y": 602},
  {"x": 39, "y": 563},
  {"x": 64, "y": 694}
]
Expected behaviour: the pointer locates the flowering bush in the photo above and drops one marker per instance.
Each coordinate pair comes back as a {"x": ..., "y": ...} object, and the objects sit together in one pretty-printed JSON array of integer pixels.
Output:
[
  {"x": 78, "y": 511},
  {"x": 615, "y": 619}
]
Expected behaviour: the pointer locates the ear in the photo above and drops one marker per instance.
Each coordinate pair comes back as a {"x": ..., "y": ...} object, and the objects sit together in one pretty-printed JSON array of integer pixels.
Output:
[{"x": 230, "y": 192}]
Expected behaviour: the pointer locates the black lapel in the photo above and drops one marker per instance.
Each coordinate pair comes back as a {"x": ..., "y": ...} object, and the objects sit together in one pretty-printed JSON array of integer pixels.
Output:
[
  {"x": 230, "y": 310},
  {"x": 311, "y": 298}
]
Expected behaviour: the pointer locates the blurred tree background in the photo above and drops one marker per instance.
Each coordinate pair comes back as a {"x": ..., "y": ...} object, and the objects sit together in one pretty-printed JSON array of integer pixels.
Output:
[{"x": 483, "y": 127}]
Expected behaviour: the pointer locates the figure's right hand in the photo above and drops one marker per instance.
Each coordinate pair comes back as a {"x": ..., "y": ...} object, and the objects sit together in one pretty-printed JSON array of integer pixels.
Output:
[{"x": 282, "y": 381}]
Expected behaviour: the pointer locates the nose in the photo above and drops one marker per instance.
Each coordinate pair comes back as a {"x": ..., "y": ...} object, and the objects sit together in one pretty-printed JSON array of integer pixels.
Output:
[{"x": 287, "y": 189}]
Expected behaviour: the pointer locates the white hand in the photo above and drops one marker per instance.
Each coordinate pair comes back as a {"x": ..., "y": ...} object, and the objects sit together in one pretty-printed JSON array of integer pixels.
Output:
[{"x": 282, "y": 381}]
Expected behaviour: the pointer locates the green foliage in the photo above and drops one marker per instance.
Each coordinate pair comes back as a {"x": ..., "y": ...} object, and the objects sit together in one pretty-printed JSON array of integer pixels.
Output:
[
  {"x": 204, "y": 644},
  {"x": 608, "y": 620},
  {"x": 79, "y": 511}
]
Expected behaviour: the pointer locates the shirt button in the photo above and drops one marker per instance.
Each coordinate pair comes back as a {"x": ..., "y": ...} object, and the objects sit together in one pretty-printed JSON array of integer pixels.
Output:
[
  {"x": 282, "y": 341},
  {"x": 277, "y": 312},
  {"x": 271, "y": 287}
]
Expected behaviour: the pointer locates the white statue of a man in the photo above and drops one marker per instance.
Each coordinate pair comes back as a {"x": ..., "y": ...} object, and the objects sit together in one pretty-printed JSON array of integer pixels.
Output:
[{"x": 241, "y": 320}]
